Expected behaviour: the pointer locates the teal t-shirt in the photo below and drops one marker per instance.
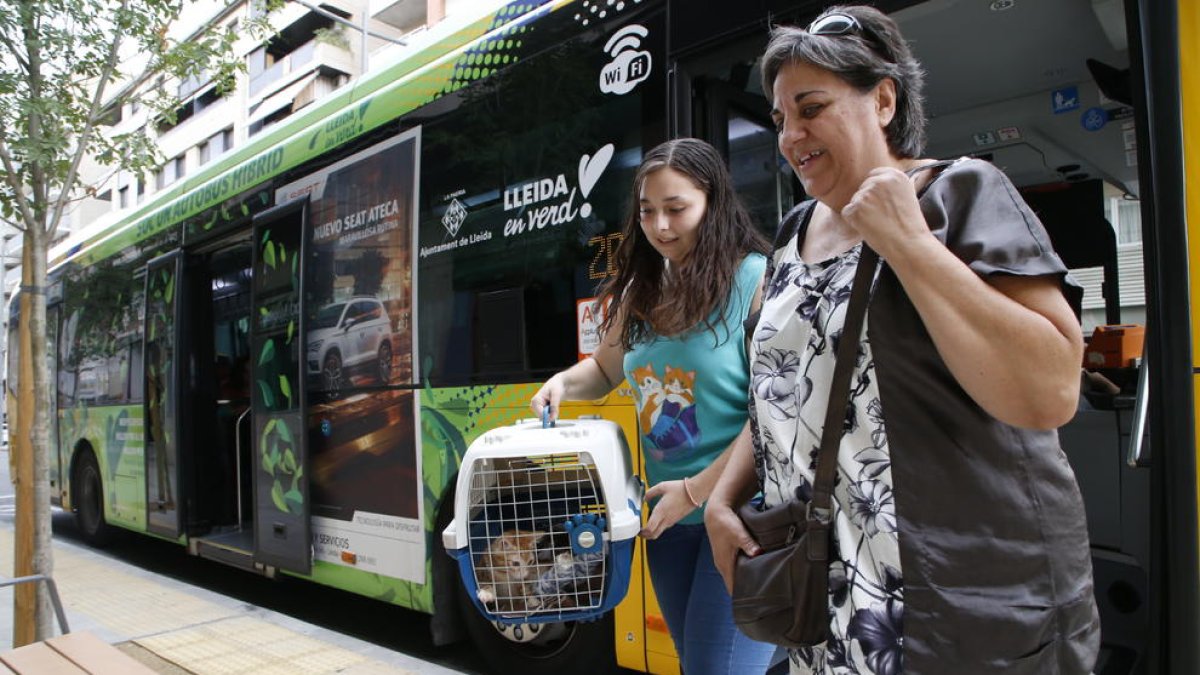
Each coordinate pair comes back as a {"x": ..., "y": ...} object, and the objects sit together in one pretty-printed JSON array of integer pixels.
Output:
[{"x": 691, "y": 389}]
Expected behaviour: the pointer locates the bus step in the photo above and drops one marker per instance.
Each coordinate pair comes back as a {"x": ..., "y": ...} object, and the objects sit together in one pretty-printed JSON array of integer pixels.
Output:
[{"x": 228, "y": 552}]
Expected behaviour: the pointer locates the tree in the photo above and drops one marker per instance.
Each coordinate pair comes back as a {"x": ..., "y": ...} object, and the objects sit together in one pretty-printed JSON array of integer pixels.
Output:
[{"x": 65, "y": 68}]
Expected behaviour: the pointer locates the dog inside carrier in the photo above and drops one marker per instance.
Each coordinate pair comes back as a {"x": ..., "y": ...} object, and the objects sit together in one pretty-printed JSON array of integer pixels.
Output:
[{"x": 548, "y": 528}]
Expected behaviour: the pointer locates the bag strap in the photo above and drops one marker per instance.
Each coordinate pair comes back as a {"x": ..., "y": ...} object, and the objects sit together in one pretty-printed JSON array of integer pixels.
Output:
[
  {"x": 820, "y": 508},
  {"x": 839, "y": 389}
]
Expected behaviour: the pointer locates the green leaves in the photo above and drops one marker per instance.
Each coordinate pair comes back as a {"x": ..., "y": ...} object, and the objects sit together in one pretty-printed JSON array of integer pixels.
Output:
[
  {"x": 279, "y": 460},
  {"x": 60, "y": 68},
  {"x": 286, "y": 388},
  {"x": 268, "y": 353}
]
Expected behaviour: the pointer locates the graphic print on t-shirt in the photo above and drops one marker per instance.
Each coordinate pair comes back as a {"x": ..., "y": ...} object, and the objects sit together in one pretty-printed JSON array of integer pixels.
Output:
[{"x": 667, "y": 411}]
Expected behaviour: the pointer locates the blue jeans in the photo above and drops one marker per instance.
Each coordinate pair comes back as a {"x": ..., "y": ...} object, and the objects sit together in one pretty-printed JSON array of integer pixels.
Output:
[{"x": 697, "y": 609}]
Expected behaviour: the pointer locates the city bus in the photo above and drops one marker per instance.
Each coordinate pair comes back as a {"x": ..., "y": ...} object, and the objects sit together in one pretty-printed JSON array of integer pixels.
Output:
[{"x": 279, "y": 361}]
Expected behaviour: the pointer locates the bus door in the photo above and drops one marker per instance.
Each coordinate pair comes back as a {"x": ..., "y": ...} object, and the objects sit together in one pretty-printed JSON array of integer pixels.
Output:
[
  {"x": 163, "y": 355},
  {"x": 734, "y": 120},
  {"x": 279, "y": 443}
]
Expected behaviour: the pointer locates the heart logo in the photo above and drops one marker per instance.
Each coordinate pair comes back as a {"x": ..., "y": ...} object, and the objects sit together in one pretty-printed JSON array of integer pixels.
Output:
[{"x": 591, "y": 167}]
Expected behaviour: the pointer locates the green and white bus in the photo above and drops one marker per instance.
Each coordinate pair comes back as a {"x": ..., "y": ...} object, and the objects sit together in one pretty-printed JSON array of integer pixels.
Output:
[{"x": 279, "y": 361}]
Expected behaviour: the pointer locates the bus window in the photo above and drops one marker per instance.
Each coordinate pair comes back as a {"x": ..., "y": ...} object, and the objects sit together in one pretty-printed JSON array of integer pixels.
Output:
[{"x": 525, "y": 184}]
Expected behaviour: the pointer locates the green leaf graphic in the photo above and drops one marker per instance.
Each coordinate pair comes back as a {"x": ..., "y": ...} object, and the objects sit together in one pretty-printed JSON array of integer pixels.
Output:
[
  {"x": 267, "y": 394},
  {"x": 295, "y": 501},
  {"x": 277, "y": 497},
  {"x": 268, "y": 352}
]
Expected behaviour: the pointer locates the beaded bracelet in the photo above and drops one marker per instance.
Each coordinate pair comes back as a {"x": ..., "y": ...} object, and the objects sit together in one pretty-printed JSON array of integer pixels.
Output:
[{"x": 688, "y": 491}]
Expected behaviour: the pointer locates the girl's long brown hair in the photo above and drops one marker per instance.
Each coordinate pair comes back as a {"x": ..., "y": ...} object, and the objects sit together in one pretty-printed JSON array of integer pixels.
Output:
[{"x": 668, "y": 303}]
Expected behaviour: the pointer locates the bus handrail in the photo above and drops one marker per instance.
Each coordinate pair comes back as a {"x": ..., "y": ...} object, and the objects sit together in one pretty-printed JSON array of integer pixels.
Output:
[
  {"x": 1141, "y": 406},
  {"x": 237, "y": 463},
  {"x": 50, "y": 585}
]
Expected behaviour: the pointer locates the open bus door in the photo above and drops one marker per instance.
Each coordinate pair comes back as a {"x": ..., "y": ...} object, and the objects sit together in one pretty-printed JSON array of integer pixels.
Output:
[
  {"x": 279, "y": 442},
  {"x": 162, "y": 355}
]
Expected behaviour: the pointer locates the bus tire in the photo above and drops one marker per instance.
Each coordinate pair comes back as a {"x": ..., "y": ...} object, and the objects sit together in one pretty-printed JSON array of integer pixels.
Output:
[
  {"x": 88, "y": 497},
  {"x": 383, "y": 370},
  {"x": 447, "y": 622},
  {"x": 332, "y": 375},
  {"x": 572, "y": 647}
]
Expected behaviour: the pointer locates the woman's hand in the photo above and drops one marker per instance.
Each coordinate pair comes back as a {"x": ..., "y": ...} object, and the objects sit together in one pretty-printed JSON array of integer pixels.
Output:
[
  {"x": 551, "y": 395},
  {"x": 727, "y": 535},
  {"x": 885, "y": 211},
  {"x": 670, "y": 509}
]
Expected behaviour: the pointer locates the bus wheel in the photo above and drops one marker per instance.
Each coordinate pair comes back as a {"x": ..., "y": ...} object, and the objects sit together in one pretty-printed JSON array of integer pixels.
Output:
[
  {"x": 331, "y": 373},
  {"x": 89, "y": 501},
  {"x": 385, "y": 363},
  {"x": 545, "y": 649}
]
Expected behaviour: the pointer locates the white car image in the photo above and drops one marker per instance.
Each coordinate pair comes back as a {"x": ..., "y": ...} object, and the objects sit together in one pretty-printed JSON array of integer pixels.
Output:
[{"x": 355, "y": 334}]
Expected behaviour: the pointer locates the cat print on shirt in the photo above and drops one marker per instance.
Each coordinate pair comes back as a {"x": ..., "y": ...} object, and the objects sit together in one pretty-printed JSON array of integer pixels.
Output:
[
  {"x": 651, "y": 389},
  {"x": 667, "y": 411}
]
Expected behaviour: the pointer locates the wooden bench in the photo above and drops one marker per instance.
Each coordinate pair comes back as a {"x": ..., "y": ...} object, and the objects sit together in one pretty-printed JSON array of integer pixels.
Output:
[{"x": 70, "y": 654}]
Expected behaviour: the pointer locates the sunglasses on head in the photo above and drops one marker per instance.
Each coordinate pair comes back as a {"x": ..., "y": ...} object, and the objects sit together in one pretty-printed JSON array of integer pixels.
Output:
[{"x": 835, "y": 24}]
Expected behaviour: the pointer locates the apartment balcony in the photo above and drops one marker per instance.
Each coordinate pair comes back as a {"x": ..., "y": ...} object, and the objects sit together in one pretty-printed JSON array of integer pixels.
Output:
[
  {"x": 307, "y": 58},
  {"x": 404, "y": 15}
]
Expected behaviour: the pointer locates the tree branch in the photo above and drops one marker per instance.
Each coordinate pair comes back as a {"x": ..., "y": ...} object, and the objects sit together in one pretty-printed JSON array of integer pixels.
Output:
[
  {"x": 12, "y": 178},
  {"x": 81, "y": 146},
  {"x": 16, "y": 54}
]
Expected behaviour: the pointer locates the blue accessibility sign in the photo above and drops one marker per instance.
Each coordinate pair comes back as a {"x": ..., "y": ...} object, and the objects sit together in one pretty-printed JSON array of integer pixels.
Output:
[
  {"x": 1064, "y": 100},
  {"x": 1094, "y": 119}
]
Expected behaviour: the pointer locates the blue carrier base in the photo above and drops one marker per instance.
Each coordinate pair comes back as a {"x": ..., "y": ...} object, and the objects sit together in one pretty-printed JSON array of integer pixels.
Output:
[{"x": 616, "y": 585}]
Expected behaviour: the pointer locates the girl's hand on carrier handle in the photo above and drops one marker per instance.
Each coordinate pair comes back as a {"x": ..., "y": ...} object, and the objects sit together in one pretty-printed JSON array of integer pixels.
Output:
[
  {"x": 551, "y": 395},
  {"x": 670, "y": 509}
]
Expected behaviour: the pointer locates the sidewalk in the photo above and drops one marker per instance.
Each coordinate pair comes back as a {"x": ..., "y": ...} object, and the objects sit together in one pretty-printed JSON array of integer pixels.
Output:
[{"x": 173, "y": 627}]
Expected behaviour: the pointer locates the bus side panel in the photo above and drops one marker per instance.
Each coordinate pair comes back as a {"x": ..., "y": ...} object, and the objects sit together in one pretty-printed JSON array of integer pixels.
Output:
[{"x": 115, "y": 435}]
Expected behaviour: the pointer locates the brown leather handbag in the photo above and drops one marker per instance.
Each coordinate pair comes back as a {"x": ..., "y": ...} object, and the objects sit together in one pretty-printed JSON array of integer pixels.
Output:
[{"x": 781, "y": 595}]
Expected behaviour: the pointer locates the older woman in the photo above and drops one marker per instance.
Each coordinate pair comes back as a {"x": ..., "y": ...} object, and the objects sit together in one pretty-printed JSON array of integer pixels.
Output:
[{"x": 960, "y": 544}]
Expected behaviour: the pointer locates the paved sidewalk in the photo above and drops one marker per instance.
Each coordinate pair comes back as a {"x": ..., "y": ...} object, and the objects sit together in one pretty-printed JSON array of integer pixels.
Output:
[{"x": 174, "y": 627}]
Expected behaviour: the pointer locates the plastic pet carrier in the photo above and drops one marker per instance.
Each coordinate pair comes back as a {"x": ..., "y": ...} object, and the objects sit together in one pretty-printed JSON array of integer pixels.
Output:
[{"x": 544, "y": 521}]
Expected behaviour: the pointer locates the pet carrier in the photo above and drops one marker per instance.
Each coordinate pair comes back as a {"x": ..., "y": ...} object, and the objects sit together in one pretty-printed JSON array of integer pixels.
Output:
[{"x": 544, "y": 521}]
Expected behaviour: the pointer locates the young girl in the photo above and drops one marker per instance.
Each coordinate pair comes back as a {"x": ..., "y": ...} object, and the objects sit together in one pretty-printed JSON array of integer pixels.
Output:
[{"x": 689, "y": 269}]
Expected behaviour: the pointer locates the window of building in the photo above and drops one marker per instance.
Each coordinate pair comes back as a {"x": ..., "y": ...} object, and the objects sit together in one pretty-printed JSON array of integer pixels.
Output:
[
  {"x": 170, "y": 172},
  {"x": 189, "y": 109},
  {"x": 141, "y": 191},
  {"x": 216, "y": 145},
  {"x": 290, "y": 49},
  {"x": 123, "y": 197},
  {"x": 1126, "y": 218}
]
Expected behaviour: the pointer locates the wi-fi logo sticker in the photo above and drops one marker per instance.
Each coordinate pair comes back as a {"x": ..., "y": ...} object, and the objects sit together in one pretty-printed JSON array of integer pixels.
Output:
[{"x": 630, "y": 63}]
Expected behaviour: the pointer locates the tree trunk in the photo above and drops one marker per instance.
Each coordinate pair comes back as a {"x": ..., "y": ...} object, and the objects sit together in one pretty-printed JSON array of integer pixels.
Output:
[{"x": 32, "y": 611}]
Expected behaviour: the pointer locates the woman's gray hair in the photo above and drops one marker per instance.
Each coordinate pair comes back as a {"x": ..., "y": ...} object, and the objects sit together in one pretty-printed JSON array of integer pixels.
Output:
[{"x": 861, "y": 59}]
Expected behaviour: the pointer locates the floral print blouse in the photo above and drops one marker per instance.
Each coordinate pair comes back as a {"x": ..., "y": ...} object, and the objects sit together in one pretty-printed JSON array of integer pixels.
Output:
[{"x": 792, "y": 360}]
